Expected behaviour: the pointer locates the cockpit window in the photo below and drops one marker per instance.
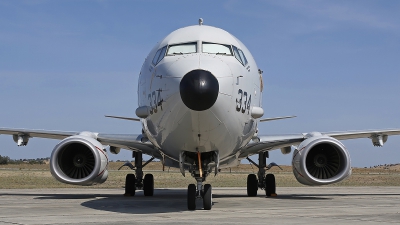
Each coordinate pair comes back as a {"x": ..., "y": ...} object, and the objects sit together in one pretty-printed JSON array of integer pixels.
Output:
[
  {"x": 243, "y": 57},
  {"x": 239, "y": 55},
  {"x": 159, "y": 55},
  {"x": 182, "y": 49},
  {"x": 156, "y": 57},
  {"x": 218, "y": 49}
]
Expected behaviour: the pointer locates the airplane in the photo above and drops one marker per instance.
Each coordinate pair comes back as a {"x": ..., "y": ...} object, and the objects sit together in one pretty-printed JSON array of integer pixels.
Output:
[{"x": 199, "y": 104}]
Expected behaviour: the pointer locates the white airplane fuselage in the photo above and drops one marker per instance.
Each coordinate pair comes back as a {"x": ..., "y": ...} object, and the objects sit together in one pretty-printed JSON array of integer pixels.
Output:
[{"x": 200, "y": 123}]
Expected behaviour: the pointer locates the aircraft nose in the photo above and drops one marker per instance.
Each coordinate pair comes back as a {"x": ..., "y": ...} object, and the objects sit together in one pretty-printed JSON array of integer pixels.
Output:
[{"x": 199, "y": 90}]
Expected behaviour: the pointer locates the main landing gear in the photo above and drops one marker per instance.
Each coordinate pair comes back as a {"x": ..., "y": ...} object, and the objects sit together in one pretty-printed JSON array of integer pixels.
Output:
[
  {"x": 266, "y": 182},
  {"x": 136, "y": 181}
]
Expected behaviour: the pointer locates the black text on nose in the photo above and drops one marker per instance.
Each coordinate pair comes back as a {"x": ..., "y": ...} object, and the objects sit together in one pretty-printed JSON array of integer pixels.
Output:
[{"x": 199, "y": 90}]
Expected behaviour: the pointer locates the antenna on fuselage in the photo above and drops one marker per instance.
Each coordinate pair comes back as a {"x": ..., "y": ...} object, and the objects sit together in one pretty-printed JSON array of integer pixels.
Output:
[{"x": 200, "y": 21}]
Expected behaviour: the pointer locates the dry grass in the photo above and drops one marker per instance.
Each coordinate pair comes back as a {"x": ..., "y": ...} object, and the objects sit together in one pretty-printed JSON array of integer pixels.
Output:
[{"x": 38, "y": 176}]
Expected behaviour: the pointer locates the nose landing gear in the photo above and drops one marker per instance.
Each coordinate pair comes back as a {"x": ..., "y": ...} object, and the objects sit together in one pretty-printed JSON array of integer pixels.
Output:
[
  {"x": 201, "y": 192},
  {"x": 199, "y": 168}
]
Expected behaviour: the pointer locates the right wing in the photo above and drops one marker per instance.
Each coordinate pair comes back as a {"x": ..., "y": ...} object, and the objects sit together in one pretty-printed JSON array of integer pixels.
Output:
[
  {"x": 129, "y": 142},
  {"x": 50, "y": 134},
  {"x": 126, "y": 141}
]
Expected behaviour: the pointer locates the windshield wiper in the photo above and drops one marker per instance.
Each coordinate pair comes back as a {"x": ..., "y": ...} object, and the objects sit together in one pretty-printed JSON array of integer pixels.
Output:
[
  {"x": 177, "y": 53},
  {"x": 221, "y": 53}
]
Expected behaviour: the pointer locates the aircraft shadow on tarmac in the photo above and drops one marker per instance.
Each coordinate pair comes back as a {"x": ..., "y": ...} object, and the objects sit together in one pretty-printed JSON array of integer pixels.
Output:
[
  {"x": 162, "y": 202},
  {"x": 168, "y": 200}
]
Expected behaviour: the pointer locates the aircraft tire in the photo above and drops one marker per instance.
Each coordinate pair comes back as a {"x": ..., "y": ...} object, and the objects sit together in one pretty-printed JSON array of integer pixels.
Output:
[
  {"x": 252, "y": 185},
  {"x": 148, "y": 185},
  {"x": 207, "y": 198},
  {"x": 270, "y": 186},
  {"x": 130, "y": 185},
  {"x": 191, "y": 197}
]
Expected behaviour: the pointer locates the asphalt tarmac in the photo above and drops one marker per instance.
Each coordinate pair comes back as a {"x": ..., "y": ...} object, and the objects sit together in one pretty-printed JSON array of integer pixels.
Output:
[{"x": 305, "y": 205}]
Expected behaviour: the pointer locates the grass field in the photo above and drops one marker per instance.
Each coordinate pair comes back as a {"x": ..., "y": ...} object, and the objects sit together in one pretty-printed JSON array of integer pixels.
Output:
[{"x": 38, "y": 176}]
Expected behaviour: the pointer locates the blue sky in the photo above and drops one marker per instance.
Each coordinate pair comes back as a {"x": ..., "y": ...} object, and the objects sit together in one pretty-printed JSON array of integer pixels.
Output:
[{"x": 334, "y": 64}]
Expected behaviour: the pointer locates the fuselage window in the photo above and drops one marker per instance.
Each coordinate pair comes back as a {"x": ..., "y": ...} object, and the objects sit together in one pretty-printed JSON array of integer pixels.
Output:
[
  {"x": 218, "y": 49},
  {"x": 159, "y": 55},
  {"x": 179, "y": 49}
]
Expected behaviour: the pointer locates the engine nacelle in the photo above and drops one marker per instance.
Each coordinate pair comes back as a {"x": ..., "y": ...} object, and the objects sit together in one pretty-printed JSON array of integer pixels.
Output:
[
  {"x": 79, "y": 160},
  {"x": 321, "y": 160}
]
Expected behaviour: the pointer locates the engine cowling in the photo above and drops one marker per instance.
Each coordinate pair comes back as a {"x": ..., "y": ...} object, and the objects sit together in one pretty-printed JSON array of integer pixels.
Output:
[
  {"x": 79, "y": 160},
  {"x": 321, "y": 160}
]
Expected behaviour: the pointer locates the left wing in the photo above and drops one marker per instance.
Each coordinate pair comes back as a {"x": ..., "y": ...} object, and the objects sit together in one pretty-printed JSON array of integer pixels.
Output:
[{"x": 272, "y": 142}]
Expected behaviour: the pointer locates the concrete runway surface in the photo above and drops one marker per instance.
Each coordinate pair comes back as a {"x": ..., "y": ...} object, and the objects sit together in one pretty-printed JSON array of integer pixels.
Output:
[{"x": 305, "y": 205}]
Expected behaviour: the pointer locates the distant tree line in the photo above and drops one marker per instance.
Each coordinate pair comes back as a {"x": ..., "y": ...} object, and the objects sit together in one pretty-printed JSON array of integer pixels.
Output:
[{"x": 4, "y": 160}]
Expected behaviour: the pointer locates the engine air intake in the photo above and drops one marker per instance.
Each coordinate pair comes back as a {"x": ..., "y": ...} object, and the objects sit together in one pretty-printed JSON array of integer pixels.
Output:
[
  {"x": 323, "y": 161},
  {"x": 76, "y": 161},
  {"x": 79, "y": 160}
]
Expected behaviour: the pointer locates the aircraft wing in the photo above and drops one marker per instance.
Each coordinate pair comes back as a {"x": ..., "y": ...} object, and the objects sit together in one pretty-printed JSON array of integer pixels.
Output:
[
  {"x": 125, "y": 141},
  {"x": 130, "y": 142},
  {"x": 272, "y": 142},
  {"x": 50, "y": 134}
]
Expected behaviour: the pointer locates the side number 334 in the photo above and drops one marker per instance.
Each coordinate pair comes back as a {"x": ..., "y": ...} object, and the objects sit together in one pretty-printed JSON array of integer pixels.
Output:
[{"x": 243, "y": 102}]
